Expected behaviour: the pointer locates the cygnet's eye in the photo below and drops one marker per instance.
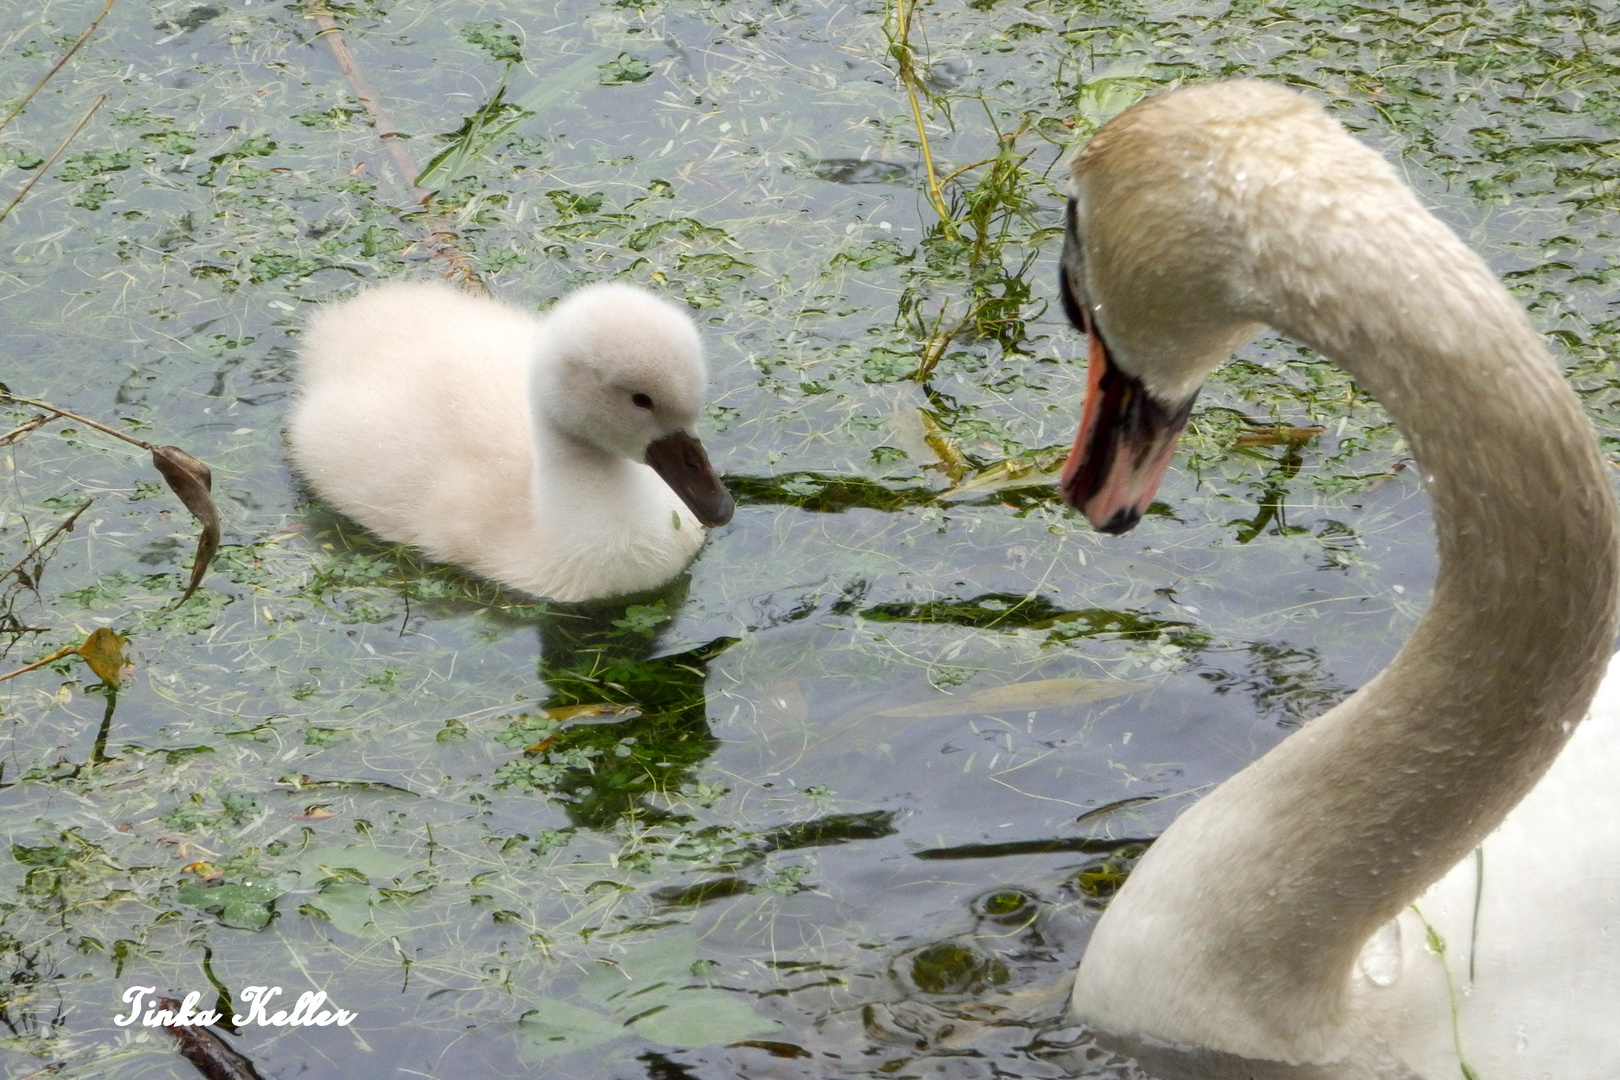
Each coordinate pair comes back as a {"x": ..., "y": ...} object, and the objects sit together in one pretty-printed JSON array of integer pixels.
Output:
[{"x": 641, "y": 401}]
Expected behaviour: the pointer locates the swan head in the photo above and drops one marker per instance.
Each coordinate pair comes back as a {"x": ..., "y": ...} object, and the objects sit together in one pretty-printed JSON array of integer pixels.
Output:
[
  {"x": 623, "y": 371},
  {"x": 1176, "y": 208}
]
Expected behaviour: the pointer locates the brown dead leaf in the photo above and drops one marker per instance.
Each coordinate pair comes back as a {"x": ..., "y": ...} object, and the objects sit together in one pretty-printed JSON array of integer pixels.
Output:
[
  {"x": 203, "y": 869},
  {"x": 1280, "y": 436},
  {"x": 592, "y": 711},
  {"x": 317, "y": 812},
  {"x": 1006, "y": 474},
  {"x": 1020, "y": 697},
  {"x": 190, "y": 479},
  {"x": 945, "y": 447},
  {"x": 103, "y": 650}
]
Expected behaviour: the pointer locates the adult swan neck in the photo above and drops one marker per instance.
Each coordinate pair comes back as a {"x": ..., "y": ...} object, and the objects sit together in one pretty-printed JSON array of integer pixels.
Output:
[{"x": 1240, "y": 929}]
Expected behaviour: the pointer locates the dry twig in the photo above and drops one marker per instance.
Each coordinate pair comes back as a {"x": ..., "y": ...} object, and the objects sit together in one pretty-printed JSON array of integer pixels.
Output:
[
  {"x": 905, "y": 59},
  {"x": 64, "y": 526},
  {"x": 187, "y": 477},
  {"x": 45, "y": 168},
  {"x": 20, "y": 430},
  {"x": 212, "y": 1055},
  {"x": 71, "y": 49},
  {"x": 441, "y": 235},
  {"x": 66, "y": 650}
]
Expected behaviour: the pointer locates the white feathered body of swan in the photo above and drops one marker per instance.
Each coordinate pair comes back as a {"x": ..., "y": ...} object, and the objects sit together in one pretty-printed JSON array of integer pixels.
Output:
[
  {"x": 1257, "y": 929},
  {"x": 1535, "y": 974},
  {"x": 522, "y": 448}
]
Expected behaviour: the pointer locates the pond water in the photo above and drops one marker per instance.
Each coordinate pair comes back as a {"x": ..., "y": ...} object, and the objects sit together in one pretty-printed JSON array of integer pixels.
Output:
[{"x": 844, "y": 800}]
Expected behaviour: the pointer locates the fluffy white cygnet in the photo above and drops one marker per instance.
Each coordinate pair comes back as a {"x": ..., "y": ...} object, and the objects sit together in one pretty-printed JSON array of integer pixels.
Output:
[{"x": 553, "y": 454}]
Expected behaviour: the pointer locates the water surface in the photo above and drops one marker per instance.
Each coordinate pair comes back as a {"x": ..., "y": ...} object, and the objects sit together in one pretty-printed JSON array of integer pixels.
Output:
[{"x": 779, "y": 822}]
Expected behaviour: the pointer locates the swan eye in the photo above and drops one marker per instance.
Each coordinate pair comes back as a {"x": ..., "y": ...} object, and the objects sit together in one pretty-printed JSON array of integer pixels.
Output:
[{"x": 641, "y": 401}]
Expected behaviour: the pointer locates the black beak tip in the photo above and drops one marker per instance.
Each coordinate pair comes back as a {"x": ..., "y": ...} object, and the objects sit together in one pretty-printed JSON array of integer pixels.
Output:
[{"x": 1123, "y": 521}]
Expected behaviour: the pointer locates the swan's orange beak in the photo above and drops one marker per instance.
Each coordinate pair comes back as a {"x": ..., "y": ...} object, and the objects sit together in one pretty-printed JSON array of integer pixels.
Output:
[
  {"x": 1126, "y": 434},
  {"x": 682, "y": 462}
]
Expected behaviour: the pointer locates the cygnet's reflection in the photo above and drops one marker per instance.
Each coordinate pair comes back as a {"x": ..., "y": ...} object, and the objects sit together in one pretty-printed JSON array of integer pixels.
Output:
[{"x": 622, "y": 722}]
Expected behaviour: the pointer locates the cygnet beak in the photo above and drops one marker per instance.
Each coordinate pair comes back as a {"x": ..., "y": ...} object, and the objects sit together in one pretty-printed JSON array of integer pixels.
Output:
[
  {"x": 681, "y": 461},
  {"x": 1126, "y": 434}
]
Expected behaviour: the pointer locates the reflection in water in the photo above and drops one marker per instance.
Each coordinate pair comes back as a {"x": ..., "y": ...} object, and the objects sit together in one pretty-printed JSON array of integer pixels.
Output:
[
  {"x": 820, "y": 832},
  {"x": 1006, "y": 611},
  {"x": 981, "y": 984},
  {"x": 859, "y": 171},
  {"x": 1272, "y": 509},
  {"x": 824, "y": 493},
  {"x": 30, "y": 1009},
  {"x": 1288, "y": 684},
  {"x": 627, "y": 724}
]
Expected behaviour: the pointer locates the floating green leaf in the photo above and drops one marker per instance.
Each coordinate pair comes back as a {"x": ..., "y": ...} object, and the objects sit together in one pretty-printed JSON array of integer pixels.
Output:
[
  {"x": 368, "y": 862},
  {"x": 347, "y": 905},
  {"x": 702, "y": 1018},
  {"x": 654, "y": 987},
  {"x": 476, "y": 134},
  {"x": 494, "y": 38},
  {"x": 561, "y": 1027},
  {"x": 247, "y": 906},
  {"x": 624, "y": 69}
]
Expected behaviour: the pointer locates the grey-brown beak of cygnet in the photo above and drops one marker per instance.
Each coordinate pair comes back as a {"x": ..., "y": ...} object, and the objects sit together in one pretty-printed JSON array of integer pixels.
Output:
[{"x": 680, "y": 459}]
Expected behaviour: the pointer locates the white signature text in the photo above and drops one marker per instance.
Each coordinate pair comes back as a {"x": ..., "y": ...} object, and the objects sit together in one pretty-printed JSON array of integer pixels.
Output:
[{"x": 306, "y": 1011}]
